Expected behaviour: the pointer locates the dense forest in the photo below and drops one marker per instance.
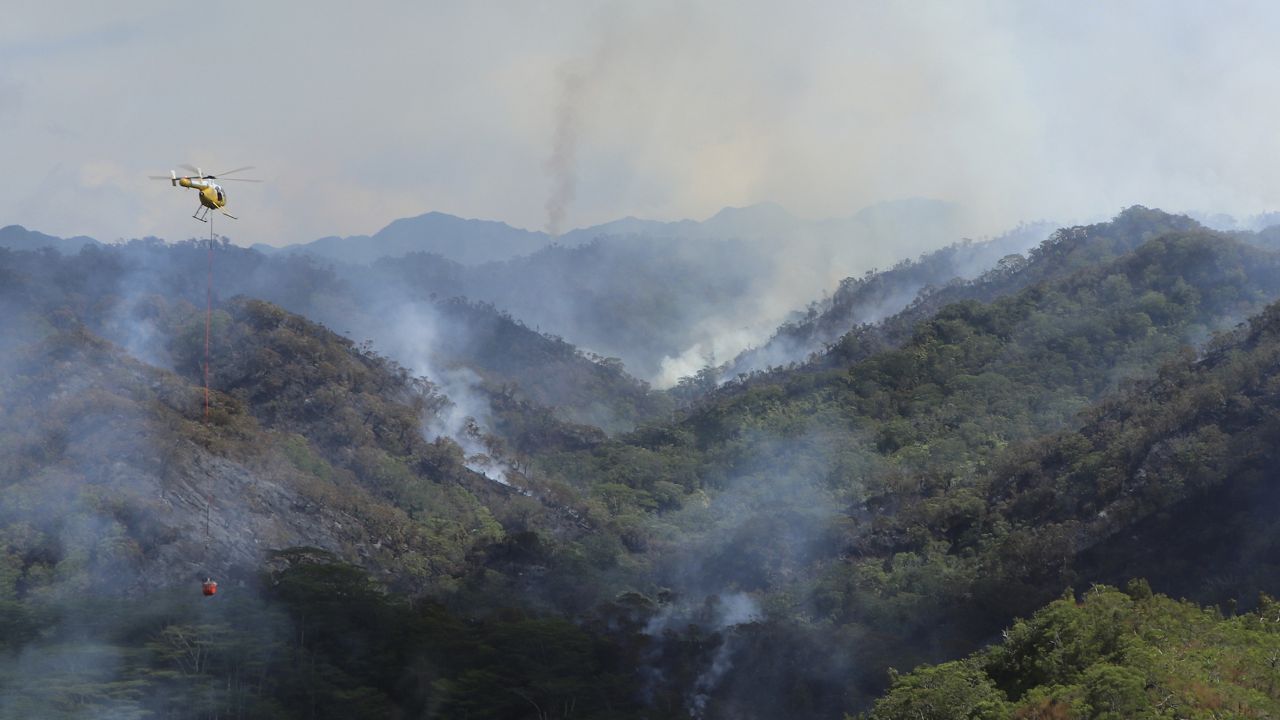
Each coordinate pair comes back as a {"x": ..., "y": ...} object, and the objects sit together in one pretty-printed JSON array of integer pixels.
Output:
[
  {"x": 455, "y": 515},
  {"x": 1107, "y": 654}
]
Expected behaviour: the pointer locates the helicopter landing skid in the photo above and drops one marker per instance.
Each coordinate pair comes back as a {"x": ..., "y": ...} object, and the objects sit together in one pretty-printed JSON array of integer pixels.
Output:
[{"x": 201, "y": 214}]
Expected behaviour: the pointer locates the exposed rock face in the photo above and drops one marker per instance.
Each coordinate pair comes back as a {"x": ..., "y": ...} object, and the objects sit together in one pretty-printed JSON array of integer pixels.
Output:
[
  {"x": 221, "y": 519},
  {"x": 132, "y": 524},
  {"x": 110, "y": 478}
]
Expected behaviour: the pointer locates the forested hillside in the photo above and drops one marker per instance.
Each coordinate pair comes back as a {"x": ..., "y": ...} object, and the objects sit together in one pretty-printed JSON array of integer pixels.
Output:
[
  {"x": 858, "y": 495},
  {"x": 875, "y": 295},
  {"x": 1065, "y": 252},
  {"x": 471, "y": 348},
  {"x": 1101, "y": 411},
  {"x": 309, "y": 441}
]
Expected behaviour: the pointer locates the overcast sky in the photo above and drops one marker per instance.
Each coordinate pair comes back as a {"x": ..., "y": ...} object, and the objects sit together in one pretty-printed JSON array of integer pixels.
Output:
[{"x": 360, "y": 113}]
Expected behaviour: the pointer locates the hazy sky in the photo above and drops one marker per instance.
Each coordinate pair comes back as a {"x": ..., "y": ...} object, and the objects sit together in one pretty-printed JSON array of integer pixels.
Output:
[{"x": 359, "y": 113}]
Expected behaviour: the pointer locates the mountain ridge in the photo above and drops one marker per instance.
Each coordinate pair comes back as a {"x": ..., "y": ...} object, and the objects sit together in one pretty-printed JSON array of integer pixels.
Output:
[
  {"x": 473, "y": 241},
  {"x": 16, "y": 237}
]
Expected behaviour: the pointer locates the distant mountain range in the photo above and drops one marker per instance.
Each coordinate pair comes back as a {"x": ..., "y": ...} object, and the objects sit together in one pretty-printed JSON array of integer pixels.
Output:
[
  {"x": 474, "y": 242},
  {"x": 462, "y": 240},
  {"x": 16, "y": 237},
  {"x": 915, "y": 225}
]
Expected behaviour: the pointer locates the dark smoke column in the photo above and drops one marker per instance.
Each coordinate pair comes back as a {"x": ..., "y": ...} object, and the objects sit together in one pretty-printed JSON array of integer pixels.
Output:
[{"x": 562, "y": 164}]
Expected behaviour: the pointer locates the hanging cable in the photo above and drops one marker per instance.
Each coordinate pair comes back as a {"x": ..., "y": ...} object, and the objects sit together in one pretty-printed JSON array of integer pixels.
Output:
[
  {"x": 208, "y": 515},
  {"x": 210, "y": 586},
  {"x": 208, "y": 320}
]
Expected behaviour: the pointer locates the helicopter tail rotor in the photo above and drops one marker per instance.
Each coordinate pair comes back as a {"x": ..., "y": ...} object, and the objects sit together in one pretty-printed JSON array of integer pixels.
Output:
[{"x": 172, "y": 177}]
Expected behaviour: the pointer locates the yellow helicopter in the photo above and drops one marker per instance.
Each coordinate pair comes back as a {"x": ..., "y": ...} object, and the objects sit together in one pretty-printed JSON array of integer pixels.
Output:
[{"x": 212, "y": 196}]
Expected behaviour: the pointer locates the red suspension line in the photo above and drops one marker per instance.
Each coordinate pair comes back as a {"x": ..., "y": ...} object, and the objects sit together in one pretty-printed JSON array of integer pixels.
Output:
[{"x": 208, "y": 319}]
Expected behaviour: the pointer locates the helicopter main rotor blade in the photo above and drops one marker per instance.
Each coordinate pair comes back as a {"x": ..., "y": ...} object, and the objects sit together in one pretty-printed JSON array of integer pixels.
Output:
[
  {"x": 229, "y": 172},
  {"x": 222, "y": 179},
  {"x": 159, "y": 177}
]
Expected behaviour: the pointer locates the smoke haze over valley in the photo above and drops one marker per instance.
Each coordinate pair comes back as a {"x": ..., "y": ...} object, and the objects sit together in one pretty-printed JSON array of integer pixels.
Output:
[{"x": 713, "y": 360}]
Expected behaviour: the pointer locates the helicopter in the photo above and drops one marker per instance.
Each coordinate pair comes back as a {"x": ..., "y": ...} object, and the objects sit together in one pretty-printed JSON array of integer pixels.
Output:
[{"x": 212, "y": 196}]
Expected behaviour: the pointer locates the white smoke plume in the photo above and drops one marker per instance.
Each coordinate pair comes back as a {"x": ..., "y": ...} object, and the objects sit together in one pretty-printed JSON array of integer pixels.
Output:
[
  {"x": 717, "y": 613},
  {"x": 465, "y": 419}
]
